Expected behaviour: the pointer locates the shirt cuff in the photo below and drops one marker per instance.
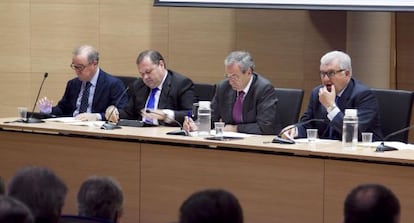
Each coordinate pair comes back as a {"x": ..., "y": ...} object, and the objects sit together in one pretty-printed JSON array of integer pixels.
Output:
[
  {"x": 333, "y": 113},
  {"x": 170, "y": 117}
]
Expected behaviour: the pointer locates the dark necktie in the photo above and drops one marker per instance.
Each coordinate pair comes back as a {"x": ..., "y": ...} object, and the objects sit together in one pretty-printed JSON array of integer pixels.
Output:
[
  {"x": 85, "y": 98},
  {"x": 238, "y": 108},
  {"x": 151, "y": 102}
]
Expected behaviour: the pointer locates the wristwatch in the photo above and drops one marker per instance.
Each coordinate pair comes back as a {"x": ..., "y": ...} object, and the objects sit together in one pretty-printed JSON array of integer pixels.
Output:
[{"x": 330, "y": 108}]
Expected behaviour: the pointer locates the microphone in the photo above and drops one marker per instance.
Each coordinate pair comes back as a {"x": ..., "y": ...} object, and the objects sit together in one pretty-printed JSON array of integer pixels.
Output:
[
  {"x": 110, "y": 125},
  {"x": 181, "y": 131},
  {"x": 382, "y": 147},
  {"x": 279, "y": 139},
  {"x": 31, "y": 119}
]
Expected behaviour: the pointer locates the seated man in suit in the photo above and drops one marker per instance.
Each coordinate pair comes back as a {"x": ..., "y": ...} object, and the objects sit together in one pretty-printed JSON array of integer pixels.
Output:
[
  {"x": 100, "y": 197},
  {"x": 211, "y": 206},
  {"x": 339, "y": 91},
  {"x": 89, "y": 94},
  {"x": 245, "y": 101},
  {"x": 160, "y": 96},
  {"x": 371, "y": 203},
  {"x": 41, "y": 190}
]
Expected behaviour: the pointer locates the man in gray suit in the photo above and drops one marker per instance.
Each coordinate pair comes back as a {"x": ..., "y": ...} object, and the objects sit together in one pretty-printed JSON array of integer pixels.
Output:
[
  {"x": 160, "y": 96},
  {"x": 245, "y": 101}
]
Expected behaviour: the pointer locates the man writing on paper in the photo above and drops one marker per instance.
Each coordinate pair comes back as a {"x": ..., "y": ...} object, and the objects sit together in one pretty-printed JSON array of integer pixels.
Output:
[
  {"x": 160, "y": 96},
  {"x": 339, "y": 91},
  {"x": 89, "y": 94},
  {"x": 245, "y": 101}
]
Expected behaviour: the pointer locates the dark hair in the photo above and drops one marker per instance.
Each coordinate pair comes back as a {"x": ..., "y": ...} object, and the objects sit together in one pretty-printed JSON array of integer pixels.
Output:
[
  {"x": 211, "y": 206},
  {"x": 154, "y": 56},
  {"x": 100, "y": 197},
  {"x": 14, "y": 211},
  {"x": 41, "y": 190},
  {"x": 371, "y": 203}
]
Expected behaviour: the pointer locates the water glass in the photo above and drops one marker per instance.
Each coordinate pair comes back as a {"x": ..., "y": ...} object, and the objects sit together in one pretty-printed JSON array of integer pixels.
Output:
[
  {"x": 219, "y": 127},
  {"x": 22, "y": 113},
  {"x": 312, "y": 134}
]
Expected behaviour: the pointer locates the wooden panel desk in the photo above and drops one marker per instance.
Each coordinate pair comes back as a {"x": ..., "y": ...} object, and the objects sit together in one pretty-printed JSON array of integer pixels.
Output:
[{"x": 274, "y": 183}]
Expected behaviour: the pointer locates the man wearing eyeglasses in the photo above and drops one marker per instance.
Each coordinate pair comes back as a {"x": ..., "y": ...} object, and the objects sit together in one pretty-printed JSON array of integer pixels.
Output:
[
  {"x": 339, "y": 91},
  {"x": 245, "y": 101},
  {"x": 89, "y": 94},
  {"x": 160, "y": 97}
]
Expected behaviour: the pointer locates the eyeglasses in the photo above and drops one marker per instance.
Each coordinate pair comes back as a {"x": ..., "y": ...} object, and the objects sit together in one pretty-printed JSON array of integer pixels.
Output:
[
  {"x": 79, "y": 67},
  {"x": 330, "y": 73}
]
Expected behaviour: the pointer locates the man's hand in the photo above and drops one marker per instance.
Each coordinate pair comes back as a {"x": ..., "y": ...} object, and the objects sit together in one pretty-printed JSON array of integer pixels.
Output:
[
  {"x": 45, "y": 105},
  {"x": 112, "y": 114},
  {"x": 153, "y": 114},
  {"x": 327, "y": 98},
  {"x": 289, "y": 132}
]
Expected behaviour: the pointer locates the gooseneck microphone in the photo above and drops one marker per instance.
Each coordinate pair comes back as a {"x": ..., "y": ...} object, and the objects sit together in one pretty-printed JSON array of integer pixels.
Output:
[
  {"x": 110, "y": 125},
  {"x": 181, "y": 131},
  {"x": 383, "y": 148},
  {"x": 31, "y": 119},
  {"x": 279, "y": 139}
]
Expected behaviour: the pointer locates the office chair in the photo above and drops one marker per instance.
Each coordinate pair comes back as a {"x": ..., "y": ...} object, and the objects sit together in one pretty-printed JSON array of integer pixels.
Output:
[
  {"x": 395, "y": 112},
  {"x": 289, "y": 105},
  {"x": 127, "y": 80},
  {"x": 81, "y": 219},
  {"x": 204, "y": 92}
]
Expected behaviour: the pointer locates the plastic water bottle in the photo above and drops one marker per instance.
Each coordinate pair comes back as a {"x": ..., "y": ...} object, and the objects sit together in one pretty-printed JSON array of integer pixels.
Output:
[
  {"x": 204, "y": 118},
  {"x": 350, "y": 129}
]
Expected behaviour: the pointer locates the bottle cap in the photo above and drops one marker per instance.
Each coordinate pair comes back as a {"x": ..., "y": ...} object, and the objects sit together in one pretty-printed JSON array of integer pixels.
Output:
[
  {"x": 351, "y": 112},
  {"x": 204, "y": 104}
]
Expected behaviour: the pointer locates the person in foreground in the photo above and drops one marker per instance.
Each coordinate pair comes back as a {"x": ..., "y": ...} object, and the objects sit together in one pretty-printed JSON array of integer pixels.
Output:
[
  {"x": 211, "y": 206},
  {"x": 89, "y": 94},
  {"x": 14, "y": 211},
  {"x": 100, "y": 197},
  {"x": 160, "y": 96},
  {"x": 371, "y": 203},
  {"x": 339, "y": 91},
  {"x": 245, "y": 101},
  {"x": 41, "y": 190}
]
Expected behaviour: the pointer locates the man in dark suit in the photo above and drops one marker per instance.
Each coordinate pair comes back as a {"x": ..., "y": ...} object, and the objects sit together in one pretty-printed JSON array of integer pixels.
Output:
[
  {"x": 160, "y": 96},
  {"x": 328, "y": 101},
  {"x": 245, "y": 101},
  {"x": 89, "y": 94}
]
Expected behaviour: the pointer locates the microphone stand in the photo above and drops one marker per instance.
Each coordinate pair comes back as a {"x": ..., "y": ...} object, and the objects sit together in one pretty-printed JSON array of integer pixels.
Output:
[
  {"x": 110, "y": 125},
  {"x": 31, "y": 119},
  {"x": 383, "y": 148}
]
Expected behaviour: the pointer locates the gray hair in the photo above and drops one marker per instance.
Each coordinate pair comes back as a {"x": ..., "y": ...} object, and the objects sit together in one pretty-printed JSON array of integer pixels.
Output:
[
  {"x": 91, "y": 53},
  {"x": 100, "y": 197},
  {"x": 13, "y": 210},
  {"x": 344, "y": 60},
  {"x": 242, "y": 58}
]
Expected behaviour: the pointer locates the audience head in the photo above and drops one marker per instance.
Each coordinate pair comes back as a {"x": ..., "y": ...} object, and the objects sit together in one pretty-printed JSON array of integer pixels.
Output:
[
  {"x": 211, "y": 206},
  {"x": 14, "y": 211},
  {"x": 335, "y": 69},
  {"x": 239, "y": 67},
  {"x": 85, "y": 61},
  {"x": 41, "y": 190},
  {"x": 371, "y": 203},
  {"x": 2, "y": 190},
  {"x": 100, "y": 197},
  {"x": 152, "y": 68}
]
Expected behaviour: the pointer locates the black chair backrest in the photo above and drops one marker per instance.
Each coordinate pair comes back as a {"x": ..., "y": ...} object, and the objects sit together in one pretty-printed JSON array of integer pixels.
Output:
[
  {"x": 204, "y": 92},
  {"x": 395, "y": 112},
  {"x": 289, "y": 105},
  {"x": 81, "y": 219},
  {"x": 127, "y": 80}
]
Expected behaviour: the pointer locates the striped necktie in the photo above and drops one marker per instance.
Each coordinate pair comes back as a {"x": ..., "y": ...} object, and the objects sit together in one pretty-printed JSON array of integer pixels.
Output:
[{"x": 85, "y": 98}]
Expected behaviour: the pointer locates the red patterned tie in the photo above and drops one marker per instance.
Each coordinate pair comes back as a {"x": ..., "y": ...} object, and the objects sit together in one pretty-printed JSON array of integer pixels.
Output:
[{"x": 238, "y": 108}]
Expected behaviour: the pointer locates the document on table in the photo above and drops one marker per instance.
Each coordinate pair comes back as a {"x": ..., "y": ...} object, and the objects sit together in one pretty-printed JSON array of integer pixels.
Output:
[{"x": 74, "y": 121}]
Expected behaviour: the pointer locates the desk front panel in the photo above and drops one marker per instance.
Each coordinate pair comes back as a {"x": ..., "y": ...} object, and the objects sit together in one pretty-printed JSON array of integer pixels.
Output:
[
  {"x": 74, "y": 159},
  {"x": 270, "y": 188},
  {"x": 342, "y": 176}
]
